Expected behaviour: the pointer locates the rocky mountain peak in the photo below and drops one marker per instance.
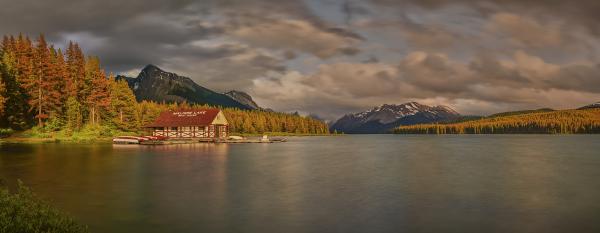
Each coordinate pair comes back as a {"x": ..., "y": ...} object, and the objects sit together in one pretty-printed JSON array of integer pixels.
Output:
[
  {"x": 243, "y": 98},
  {"x": 152, "y": 71},
  {"x": 387, "y": 116},
  {"x": 155, "y": 84},
  {"x": 151, "y": 67}
]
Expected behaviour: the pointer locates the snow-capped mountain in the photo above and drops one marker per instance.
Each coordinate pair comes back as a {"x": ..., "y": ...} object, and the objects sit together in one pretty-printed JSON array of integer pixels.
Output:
[{"x": 384, "y": 118}]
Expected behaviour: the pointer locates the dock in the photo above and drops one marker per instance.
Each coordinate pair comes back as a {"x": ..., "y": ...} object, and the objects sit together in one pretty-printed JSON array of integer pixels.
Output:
[{"x": 211, "y": 140}]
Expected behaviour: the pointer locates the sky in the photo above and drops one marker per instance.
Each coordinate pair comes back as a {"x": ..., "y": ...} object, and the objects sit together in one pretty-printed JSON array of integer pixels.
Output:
[{"x": 333, "y": 57}]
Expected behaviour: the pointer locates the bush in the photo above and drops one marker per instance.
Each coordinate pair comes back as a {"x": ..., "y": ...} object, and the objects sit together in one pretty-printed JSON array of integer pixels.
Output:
[
  {"x": 54, "y": 124},
  {"x": 6, "y": 133},
  {"x": 93, "y": 132},
  {"x": 37, "y": 132},
  {"x": 24, "y": 212}
]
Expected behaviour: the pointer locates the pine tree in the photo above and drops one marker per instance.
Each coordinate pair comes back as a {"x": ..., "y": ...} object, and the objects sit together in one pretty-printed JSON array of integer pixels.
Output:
[
  {"x": 61, "y": 77},
  {"x": 42, "y": 83},
  {"x": 15, "y": 109},
  {"x": 73, "y": 114},
  {"x": 122, "y": 104},
  {"x": 2, "y": 94},
  {"x": 24, "y": 54},
  {"x": 75, "y": 71},
  {"x": 98, "y": 99},
  {"x": 3, "y": 97}
]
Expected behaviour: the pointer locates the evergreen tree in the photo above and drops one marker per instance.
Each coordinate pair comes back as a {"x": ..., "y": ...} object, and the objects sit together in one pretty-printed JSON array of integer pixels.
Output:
[
  {"x": 41, "y": 84},
  {"x": 98, "y": 99},
  {"x": 2, "y": 94},
  {"x": 60, "y": 80},
  {"x": 15, "y": 109},
  {"x": 73, "y": 114},
  {"x": 75, "y": 71},
  {"x": 122, "y": 104}
]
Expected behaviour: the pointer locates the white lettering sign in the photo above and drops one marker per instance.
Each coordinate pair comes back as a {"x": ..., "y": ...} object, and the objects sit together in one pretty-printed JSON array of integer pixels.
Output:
[{"x": 189, "y": 114}]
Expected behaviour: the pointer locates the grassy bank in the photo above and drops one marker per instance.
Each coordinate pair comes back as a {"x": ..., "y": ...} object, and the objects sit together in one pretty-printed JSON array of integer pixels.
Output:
[
  {"x": 86, "y": 135},
  {"x": 23, "y": 211}
]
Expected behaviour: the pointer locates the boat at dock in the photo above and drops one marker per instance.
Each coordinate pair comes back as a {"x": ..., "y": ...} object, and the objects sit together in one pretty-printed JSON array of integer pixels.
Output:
[
  {"x": 263, "y": 139},
  {"x": 125, "y": 141},
  {"x": 136, "y": 139}
]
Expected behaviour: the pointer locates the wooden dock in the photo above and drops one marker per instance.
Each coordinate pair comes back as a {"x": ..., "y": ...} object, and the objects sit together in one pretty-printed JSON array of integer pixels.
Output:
[{"x": 210, "y": 140}]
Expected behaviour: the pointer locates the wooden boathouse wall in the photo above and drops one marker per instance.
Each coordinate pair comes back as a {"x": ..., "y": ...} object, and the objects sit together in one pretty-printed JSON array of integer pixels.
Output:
[{"x": 194, "y": 123}]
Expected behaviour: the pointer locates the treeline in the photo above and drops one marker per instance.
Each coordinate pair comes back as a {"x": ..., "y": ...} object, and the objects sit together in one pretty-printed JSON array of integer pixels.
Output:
[
  {"x": 52, "y": 90},
  {"x": 44, "y": 86},
  {"x": 555, "y": 122},
  {"x": 241, "y": 121},
  {"x": 253, "y": 122}
]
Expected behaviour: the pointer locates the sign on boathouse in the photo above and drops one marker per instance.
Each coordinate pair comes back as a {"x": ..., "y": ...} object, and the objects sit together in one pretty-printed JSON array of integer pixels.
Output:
[{"x": 191, "y": 123}]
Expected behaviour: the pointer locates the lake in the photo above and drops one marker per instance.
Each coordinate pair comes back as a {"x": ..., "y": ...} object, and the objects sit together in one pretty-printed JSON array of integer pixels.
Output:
[{"x": 362, "y": 183}]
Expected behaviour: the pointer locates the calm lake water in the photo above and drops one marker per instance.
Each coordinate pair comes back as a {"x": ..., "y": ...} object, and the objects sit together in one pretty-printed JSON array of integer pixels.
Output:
[{"x": 368, "y": 183}]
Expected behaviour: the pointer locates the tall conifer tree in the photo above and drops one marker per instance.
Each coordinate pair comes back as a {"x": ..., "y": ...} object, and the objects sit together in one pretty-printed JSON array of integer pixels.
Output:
[
  {"x": 75, "y": 71},
  {"x": 122, "y": 103},
  {"x": 41, "y": 84},
  {"x": 15, "y": 114},
  {"x": 61, "y": 78},
  {"x": 2, "y": 93},
  {"x": 99, "y": 94}
]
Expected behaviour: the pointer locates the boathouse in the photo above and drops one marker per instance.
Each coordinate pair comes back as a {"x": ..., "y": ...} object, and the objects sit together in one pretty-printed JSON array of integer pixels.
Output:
[{"x": 191, "y": 123}]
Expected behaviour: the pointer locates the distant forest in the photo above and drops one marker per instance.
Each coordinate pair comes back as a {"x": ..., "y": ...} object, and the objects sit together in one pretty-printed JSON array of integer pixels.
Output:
[
  {"x": 539, "y": 121},
  {"x": 51, "y": 90}
]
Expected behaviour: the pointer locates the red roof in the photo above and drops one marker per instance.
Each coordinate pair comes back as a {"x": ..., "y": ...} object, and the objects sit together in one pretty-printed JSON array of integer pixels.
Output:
[{"x": 187, "y": 117}]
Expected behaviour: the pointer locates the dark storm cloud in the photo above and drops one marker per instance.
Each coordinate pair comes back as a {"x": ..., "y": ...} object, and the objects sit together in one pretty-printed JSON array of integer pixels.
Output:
[
  {"x": 578, "y": 12},
  {"x": 489, "y": 68},
  {"x": 132, "y": 33},
  {"x": 55, "y": 16},
  {"x": 579, "y": 78},
  {"x": 136, "y": 32},
  {"x": 334, "y": 56}
]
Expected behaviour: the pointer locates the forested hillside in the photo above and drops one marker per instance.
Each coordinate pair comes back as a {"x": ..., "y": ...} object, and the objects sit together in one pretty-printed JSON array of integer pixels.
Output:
[
  {"x": 553, "y": 122},
  {"x": 51, "y": 90}
]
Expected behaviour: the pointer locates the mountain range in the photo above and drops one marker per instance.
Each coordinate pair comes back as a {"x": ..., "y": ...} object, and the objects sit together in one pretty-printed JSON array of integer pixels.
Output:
[
  {"x": 155, "y": 84},
  {"x": 384, "y": 118},
  {"x": 594, "y": 105}
]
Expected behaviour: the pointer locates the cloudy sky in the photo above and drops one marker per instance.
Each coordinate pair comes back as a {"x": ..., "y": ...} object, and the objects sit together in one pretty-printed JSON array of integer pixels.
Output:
[{"x": 331, "y": 57}]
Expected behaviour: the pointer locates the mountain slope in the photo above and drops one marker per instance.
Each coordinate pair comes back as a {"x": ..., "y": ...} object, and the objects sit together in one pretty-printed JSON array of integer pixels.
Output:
[
  {"x": 384, "y": 118},
  {"x": 594, "y": 105},
  {"x": 512, "y": 113},
  {"x": 243, "y": 98},
  {"x": 157, "y": 85},
  {"x": 553, "y": 122}
]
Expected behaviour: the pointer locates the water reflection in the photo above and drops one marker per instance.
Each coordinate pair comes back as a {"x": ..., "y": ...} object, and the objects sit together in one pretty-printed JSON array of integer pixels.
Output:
[{"x": 387, "y": 183}]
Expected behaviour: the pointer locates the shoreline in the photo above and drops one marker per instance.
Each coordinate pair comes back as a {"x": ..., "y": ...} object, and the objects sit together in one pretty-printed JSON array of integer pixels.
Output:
[
  {"x": 68, "y": 140},
  {"x": 53, "y": 140}
]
